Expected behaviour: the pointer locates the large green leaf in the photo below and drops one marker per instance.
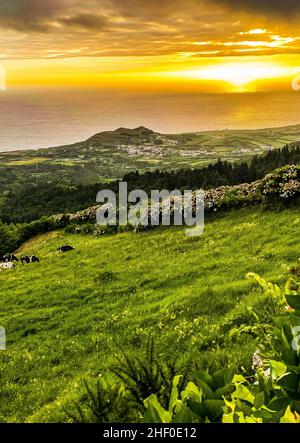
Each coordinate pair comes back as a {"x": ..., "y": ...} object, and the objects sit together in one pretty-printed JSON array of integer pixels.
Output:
[
  {"x": 185, "y": 415},
  {"x": 290, "y": 382},
  {"x": 214, "y": 409},
  {"x": 207, "y": 391},
  {"x": 204, "y": 377},
  {"x": 278, "y": 368},
  {"x": 259, "y": 400},
  {"x": 290, "y": 417},
  {"x": 293, "y": 301},
  {"x": 193, "y": 397},
  {"x": 174, "y": 393},
  {"x": 155, "y": 413},
  {"x": 243, "y": 393},
  {"x": 223, "y": 377}
]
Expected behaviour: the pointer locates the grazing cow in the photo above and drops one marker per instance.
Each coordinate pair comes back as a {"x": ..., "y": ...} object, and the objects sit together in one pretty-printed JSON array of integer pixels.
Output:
[
  {"x": 6, "y": 266},
  {"x": 29, "y": 259},
  {"x": 10, "y": 258},
  {"x": 65, "y": 248}
]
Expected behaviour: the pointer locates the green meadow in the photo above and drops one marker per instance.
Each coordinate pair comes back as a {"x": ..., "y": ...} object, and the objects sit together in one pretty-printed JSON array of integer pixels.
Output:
[
  {"x": 67, "y": 317},
  {"x": 25, "y": 162}
]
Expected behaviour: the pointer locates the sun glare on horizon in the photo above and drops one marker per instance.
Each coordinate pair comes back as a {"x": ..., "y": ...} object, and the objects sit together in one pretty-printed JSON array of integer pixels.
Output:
[{"x": 240, "y": 76}]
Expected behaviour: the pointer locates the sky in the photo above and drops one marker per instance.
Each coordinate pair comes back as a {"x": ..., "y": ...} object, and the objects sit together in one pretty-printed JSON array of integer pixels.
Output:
[{"x": 179, "y": 45}]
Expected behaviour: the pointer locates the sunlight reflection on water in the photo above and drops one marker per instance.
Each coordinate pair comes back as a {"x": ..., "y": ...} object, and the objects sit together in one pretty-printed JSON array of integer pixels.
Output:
[{"x": 41, "y": 118}]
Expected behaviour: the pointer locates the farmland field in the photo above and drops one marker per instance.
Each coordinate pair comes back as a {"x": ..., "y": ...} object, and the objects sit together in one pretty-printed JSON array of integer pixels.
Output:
[{"x": 111, "y": 154}]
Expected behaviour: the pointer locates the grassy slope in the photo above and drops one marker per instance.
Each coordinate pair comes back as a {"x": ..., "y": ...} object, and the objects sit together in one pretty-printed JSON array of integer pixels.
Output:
[{"x": 67, "y": 316}]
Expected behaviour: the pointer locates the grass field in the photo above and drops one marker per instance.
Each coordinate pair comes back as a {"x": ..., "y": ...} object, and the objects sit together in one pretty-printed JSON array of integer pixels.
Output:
[
  {"x": 67, "y": 317},
  {"x": 25, "y": 162}
]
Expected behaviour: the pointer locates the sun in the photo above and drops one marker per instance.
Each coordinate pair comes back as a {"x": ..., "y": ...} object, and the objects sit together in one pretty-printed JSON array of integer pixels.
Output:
[{"x": 240, "y": 75}]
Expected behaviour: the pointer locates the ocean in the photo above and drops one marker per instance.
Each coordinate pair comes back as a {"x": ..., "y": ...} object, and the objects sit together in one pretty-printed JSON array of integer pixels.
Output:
[{"x": 40, "y": 118}]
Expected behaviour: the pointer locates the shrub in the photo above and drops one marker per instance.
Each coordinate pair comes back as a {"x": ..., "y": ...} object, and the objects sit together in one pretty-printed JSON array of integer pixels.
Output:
[
  {"x": 103, "y": 404},
  {"x": 79, "y": 229},
  {"x": 31, "y": 229},
  {"x": 146, "y": 374},
  {"x": 281, "y": 186},
  {"x": 105, "y": 277}
]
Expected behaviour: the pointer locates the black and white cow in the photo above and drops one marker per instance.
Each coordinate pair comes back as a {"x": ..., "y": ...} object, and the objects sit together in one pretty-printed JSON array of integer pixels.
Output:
[
  {"x": 7, "y": 266},
  {"x": 65, "y": 248},
  {"x": 29, "y": 259},
  {"x": 9, "y": 258}
]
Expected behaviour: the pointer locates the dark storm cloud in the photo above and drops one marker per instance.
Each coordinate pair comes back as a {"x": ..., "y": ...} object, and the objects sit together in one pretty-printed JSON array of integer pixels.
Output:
[
  {"x": 86, "y": 21},
  {"x": 29, "y": 15},
  {"x": 42, "y": 15},
  {"x": 153, "y": 9},
  {"x": 269, "y": 7},
  {"x": 39, "y": 15}
]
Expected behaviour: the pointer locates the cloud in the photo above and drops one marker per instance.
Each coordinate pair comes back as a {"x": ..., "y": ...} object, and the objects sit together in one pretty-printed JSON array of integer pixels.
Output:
[
  {"x": 86, "y": 21},
  {"x": 272, "y": 7},
  {"x": 188, "y": 28},
  {"x": 42, "y": 15},
  {"x": 153, "y": 9},
  {"x": 29, "y": 15}
]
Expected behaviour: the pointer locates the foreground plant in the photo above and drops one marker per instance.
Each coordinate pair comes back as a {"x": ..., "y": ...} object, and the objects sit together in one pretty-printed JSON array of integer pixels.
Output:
[
  {"x": 101, "y": 404},
  {"x": 146, "y": 374},
  {"x": 152, "y": 391},
  {"x": 273, "y": 396}
]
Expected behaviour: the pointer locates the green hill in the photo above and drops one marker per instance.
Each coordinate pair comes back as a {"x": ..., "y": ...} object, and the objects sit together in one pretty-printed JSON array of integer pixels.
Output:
[
  {"x": 67, "y": 317},
  {"x": 109, "y": 155}
]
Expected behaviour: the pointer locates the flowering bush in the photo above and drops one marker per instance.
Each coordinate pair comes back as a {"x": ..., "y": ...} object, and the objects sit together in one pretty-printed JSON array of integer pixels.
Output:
[
  {"x": 282, "y": 184},
  {"x": 79, "y": 229},
  {"x": 227, "y": 197}
]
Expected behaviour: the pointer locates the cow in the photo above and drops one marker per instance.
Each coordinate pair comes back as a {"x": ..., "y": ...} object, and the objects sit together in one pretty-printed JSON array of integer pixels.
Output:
[
  {"x": 9, "y": 258},
  {"x": 6, "y": 266},
  {"x": 29, "y": 259},
  {"x": 65, "y": 248}
]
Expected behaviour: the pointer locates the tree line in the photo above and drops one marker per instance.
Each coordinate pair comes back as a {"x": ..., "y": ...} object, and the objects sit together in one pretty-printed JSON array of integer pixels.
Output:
[{"x": 221, "y": 173}]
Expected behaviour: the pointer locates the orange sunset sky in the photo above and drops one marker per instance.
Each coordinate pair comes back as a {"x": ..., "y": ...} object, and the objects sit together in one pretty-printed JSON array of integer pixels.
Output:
[{"x": 194, "y": 45}]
